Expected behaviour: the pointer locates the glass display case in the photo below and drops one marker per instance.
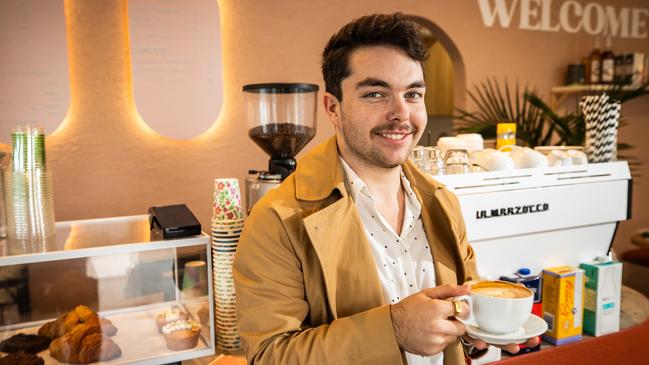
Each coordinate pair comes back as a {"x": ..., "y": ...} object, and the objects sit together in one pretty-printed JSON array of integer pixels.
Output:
[{"x": 105, "y": 292}]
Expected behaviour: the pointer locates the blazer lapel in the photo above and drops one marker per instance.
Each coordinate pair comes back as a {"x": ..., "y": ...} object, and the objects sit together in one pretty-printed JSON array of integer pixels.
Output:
[
  {"x": 443, "y": 243},
  {"x": 443, "y": 240},
  {"x": 347, "y": 263}
]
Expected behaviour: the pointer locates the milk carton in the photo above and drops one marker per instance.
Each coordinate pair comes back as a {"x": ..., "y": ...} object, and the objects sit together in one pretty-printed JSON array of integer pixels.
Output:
[
  {"x": 563, "y": 305},
  {"x": 602, "y": 298}
]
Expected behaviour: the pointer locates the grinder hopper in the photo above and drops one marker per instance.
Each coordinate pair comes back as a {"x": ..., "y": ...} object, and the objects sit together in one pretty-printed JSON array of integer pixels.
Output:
[{"x": 281, "y": 121}]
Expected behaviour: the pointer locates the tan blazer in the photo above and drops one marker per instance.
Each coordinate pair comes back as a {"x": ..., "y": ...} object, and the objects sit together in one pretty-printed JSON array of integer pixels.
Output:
[{"x": 306, "y": 281}]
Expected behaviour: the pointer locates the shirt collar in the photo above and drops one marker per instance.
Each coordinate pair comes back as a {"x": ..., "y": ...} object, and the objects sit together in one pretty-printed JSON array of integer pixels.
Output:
[
  {"x": 353, "y": 183},
  {"x": 355, "y": 186}
]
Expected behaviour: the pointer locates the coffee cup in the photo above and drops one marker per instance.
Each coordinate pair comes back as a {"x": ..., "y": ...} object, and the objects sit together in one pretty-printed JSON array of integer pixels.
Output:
[
  {"x": 525, "y": 158},
  {"x": 559, "y": 158},
  {"x": 491, "y": 160},
  {"x": 578, "y": 157},
  {"x": 498, "y": 307}
]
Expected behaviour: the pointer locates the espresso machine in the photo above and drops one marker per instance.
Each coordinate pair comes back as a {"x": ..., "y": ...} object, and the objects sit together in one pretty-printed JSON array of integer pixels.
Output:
[
  {"x": 542, "y": 217},
  {"x": 281, "y": 120}
]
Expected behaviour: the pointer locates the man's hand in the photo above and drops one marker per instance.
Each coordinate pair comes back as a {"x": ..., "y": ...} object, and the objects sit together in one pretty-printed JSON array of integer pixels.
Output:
[
  {"x": 423, "y": 322},
  {"x": 511, "y": 348}
]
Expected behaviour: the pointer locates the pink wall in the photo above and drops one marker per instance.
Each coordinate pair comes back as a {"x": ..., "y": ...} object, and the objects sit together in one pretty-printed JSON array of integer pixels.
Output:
[{"x": 107, "y": 162}]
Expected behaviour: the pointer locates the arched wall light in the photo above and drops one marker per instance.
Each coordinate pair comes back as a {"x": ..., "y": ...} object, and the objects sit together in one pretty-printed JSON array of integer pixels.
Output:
[
  {"x": 176, "y": 65},
  {"x": 34, "y": 78}
]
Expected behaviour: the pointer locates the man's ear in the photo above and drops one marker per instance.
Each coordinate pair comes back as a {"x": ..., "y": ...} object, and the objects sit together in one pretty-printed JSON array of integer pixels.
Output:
[{"x": 332, "y": 108}]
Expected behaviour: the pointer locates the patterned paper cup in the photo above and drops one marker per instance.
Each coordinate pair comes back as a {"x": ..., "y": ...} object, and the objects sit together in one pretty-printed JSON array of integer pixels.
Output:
[
  {"x": 226, "y": 225},
  {"x": 227, "y": 200}
]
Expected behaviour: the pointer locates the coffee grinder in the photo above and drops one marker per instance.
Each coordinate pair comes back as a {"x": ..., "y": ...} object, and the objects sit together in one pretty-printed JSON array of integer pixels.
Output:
[{"x": 281, "y": 120}]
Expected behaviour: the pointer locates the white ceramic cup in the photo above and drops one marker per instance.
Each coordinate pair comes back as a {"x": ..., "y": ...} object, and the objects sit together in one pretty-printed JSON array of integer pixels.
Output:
[
  {"x": 449, "y": 143},
  {"x": 494, "y": 310},
  {"x": 526, "y": 158},
  {"x": 559, "y": 158},
  {"x": 491, "y": 160},
  {"x": 472, "y": 141},
  {"x": 578, "y": 157}
]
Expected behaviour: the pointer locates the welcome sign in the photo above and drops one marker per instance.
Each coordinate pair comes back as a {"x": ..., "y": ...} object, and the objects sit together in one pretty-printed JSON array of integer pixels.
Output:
[{"x": 566, "y": 16}]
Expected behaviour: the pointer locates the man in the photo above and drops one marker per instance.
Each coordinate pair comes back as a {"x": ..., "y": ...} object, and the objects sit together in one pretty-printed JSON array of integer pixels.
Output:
[{"x": 354, "y": 258}]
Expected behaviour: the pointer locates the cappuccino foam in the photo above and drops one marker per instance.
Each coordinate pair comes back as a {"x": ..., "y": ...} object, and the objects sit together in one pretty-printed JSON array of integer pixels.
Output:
[{"x": 501, "y": 290}]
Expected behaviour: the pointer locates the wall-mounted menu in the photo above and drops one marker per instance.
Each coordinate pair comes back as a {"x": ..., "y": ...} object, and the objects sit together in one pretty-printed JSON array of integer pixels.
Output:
[{"x": 176, "y": 58}]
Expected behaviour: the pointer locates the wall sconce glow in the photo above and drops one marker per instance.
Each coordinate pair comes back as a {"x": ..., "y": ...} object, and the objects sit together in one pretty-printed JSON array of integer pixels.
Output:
[
  {"x": 177, "y": 68},
  {"x": 34, "y": 80}
]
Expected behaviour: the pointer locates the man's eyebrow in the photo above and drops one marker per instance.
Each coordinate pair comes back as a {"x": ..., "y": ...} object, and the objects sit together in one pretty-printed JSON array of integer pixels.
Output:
[
  {"x": 370, "y": 81},
  {"x": 417, "y": 84}
]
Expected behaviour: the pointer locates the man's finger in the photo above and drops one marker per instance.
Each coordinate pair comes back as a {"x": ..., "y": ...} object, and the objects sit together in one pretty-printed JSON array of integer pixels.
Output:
[
  {"x": 449, "y": 327},
  {"x": 480, "y": 345},
  {"x": 446, "y": 291},
  {"x": 464, "y": 309},
  {"x": 511, "y": 348},
  {"x": 532, "y": 342},
  {"x": 444, "y": 308}
]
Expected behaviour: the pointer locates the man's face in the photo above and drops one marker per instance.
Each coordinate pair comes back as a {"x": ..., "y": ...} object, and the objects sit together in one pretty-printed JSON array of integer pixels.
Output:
[{"x": 382, "y": 115}]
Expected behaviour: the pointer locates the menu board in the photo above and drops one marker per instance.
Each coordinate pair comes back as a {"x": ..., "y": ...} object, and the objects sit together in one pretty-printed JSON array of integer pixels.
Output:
[
  {"x": 176, "y": 58},
  {"x": 34, "y": 83}
]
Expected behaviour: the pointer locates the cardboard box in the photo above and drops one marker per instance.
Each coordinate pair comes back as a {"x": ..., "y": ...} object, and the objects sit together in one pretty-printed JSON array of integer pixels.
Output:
[
  {"x": 602, "y": 296},
  {"x": 563, "y": 305}
]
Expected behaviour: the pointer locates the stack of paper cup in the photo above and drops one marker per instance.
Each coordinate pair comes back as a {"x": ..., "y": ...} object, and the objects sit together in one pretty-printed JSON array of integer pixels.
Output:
[
  {"x": 227, "y": 224},
  {"x": 602, "y": 118}
]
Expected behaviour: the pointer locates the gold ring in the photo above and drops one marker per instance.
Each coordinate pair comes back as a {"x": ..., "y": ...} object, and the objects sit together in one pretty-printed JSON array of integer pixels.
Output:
[{"x": 457, "y": 306}]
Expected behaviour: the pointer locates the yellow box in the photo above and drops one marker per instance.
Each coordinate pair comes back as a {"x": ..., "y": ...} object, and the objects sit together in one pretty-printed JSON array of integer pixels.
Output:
[{"x": 563, "y": 304}]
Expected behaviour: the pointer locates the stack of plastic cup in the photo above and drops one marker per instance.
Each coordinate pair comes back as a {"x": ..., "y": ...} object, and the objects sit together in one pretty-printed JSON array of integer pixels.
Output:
[
  {"x": 227, "y": 224},
  {"x": 28, "y": 194}
]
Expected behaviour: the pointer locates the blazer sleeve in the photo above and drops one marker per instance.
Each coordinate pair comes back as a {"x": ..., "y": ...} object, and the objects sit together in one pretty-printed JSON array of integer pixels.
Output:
[{"x": 272, "y": 309}]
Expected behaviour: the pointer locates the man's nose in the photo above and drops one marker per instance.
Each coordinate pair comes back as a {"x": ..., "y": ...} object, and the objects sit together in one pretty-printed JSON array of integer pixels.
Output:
[{"x": 399, "y": 110}]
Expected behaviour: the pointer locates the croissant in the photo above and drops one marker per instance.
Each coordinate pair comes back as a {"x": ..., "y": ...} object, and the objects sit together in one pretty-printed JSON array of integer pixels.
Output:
[
  {"x": 97, "y": 347},
  {"x": 67, "y": 321},
  {"x": 84, "y": 344}
]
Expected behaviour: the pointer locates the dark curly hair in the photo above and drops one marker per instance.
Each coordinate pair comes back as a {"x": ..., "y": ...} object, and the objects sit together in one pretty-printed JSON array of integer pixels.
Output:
[{"x": 371, "y": 30}]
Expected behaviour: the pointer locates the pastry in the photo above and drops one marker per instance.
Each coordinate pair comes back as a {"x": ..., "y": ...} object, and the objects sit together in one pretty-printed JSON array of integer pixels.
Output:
[
  {"x": 68, "y": 320},
  {"x": 21, "y": 358},
  {"x": 97, "y": 347},
  {"x": 181, "y": 335},
  {"x": 84, "y": 344},
  {"x": 107, "y": 327},
  {"x": 80, "y": 336},
  {"x": 32, "y": 344},
  {"x": 172, "y": 314}
]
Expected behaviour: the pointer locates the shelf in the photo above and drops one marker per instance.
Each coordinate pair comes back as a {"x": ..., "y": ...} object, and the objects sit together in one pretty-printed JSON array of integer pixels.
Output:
[
  {"x": 135, "y": 327},
  {"x": 576, "y": 89},
  {"x": 560, "y": 93},
  {"x": 98, "y": 237}
]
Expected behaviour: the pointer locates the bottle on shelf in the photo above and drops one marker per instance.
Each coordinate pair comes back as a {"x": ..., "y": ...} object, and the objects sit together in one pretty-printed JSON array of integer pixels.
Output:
[
  {"x": 620, "y": 73},
  {"x": 595, "y": 59},
  {"x": 586, "y": 62},
  {"x": 608, "y": 63}
]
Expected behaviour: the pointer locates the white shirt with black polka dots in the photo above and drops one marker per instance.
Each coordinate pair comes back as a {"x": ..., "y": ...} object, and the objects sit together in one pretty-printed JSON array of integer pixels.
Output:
[{"x": 404, "y": 262}]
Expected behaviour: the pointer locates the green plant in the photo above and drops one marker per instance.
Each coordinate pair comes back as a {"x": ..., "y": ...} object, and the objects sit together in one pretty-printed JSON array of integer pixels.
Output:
[
  {"x": 496, "y": 104},
  {"x": 537, "y": 124}
]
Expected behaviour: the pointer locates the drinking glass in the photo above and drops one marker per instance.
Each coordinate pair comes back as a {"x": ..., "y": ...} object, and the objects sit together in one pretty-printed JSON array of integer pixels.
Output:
[
  {"x": 456, "y": 161},
  {"x": 435, "y": 163}
]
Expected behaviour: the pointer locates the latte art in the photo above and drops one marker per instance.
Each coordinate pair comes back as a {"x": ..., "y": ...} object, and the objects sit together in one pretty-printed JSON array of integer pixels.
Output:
[
  {"x": 495, "y": 292},
  {"x": 501, "y": 290}
]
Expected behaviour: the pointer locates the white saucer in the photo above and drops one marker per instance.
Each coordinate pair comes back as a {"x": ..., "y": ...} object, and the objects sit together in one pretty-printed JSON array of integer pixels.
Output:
[{"x": 534, "y": 326}]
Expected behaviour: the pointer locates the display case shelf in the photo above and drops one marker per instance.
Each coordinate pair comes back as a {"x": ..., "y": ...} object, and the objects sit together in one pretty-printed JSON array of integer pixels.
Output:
[
  {"x": 97, "y": 237},
  {"x": 112, "y": 266}
]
